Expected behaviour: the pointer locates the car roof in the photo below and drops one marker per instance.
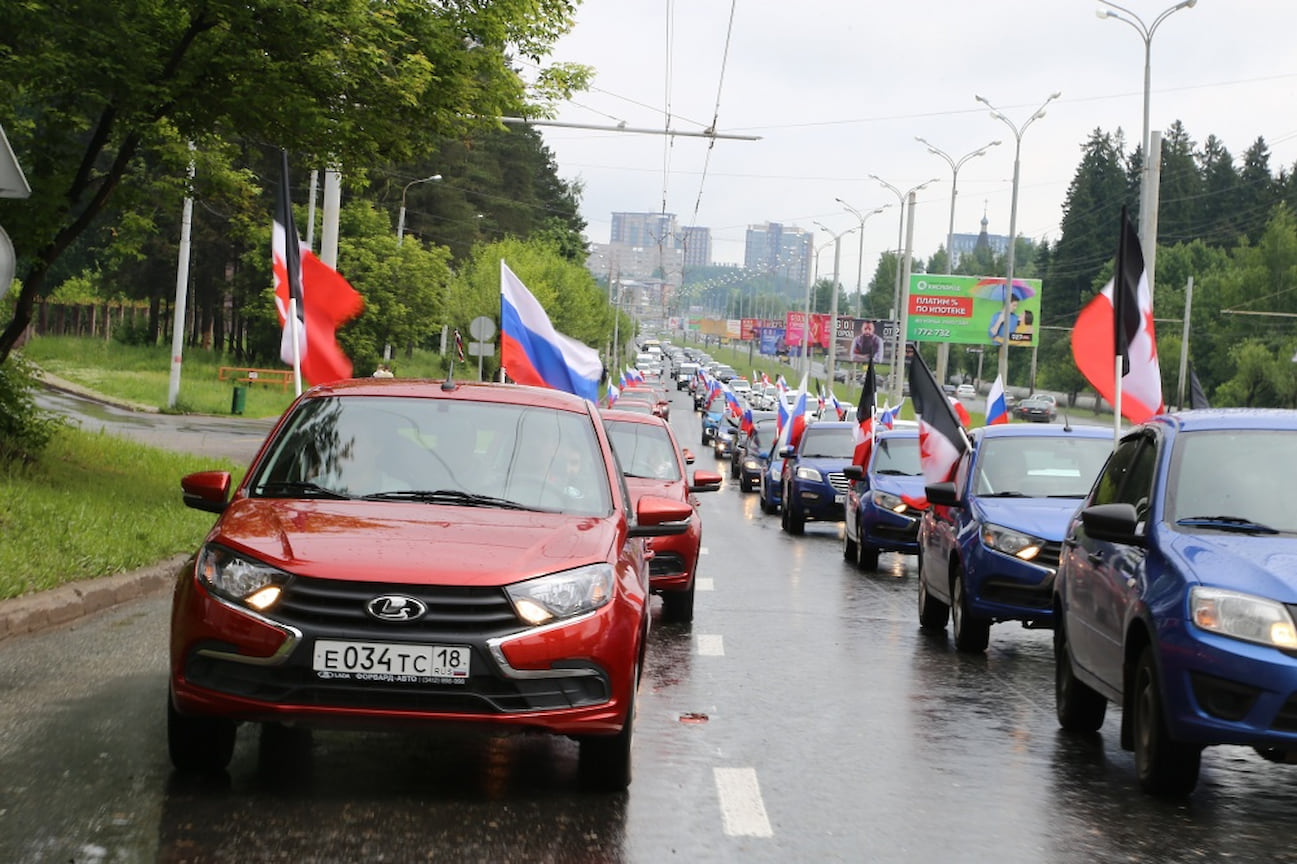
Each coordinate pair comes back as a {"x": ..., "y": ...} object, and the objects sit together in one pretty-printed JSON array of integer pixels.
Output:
[
  {"x": 907, "y": 432},
  {"x": 1229, "y": 418},
  {"x": 1038, "y": 430},
  {"x": 615, "y": 416},
  {"x": 480, "y": 391},
  {"x": 831, "y": 424}
]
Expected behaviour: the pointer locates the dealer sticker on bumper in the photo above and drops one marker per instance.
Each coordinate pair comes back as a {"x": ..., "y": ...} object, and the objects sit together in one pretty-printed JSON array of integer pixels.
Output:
[{"x": 391, "y": 661}]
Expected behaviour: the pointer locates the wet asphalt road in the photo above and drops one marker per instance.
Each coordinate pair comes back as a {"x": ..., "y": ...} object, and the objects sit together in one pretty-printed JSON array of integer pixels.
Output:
[{"x": 801, "y": 717}]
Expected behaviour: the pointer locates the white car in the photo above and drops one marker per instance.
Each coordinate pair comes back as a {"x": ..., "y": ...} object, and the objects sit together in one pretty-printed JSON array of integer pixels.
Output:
[{"x": 966, "y": 391}]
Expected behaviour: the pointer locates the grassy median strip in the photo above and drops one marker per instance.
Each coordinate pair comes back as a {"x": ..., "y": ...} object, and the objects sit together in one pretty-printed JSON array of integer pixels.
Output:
[{"x": 93, "y": 505}]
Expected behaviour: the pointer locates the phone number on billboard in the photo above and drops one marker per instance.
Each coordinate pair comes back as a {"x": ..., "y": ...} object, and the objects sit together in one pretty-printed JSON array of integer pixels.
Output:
[{"x": 931, "y": 331}]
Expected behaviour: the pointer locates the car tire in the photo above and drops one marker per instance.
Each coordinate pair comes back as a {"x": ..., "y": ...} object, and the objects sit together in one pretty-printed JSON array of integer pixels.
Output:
[
  {"x": 933, "y": 613},
  {"x": 867, "y": 558},
  {"x": 745, "y": 484},
  {"x": 1163, "y": 766},
  {"x": 794, "y": 522},
  {"x": 200, "y": 745},
  {"x": 850, "y": 549},
  {"x": 605, "y": 760},
  {"x": 679, "y": 605},
  {"x": 1080, "y": 708},
  {"x": 972, "y": 635},
  {"x": 734, "y": 470}
]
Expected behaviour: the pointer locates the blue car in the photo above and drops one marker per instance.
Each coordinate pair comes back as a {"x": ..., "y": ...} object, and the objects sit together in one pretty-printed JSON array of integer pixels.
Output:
[
  {"x": 878, "y": 519},
  {"x": 770, "y": 491},
  {"x": 1176, "y": 595},
  {"x": 989, "y": 543},
  {"x": 814, "y": 485},
  {"x": 713, "y": 412}
]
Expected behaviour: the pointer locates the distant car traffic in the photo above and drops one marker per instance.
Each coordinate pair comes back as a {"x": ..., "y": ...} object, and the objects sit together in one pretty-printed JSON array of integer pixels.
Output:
[
  {"x": 989, "y": 545},
  {"x": 1037, "y": 409},
  {"x": 814, "y": 486},
  {"x": 1176, "y": 595},
  {"x": 417, "y": 554},
  {"x": 878, "y": 519},
  {"x": 653, "y": 464},
  {"x": 966, "y": 391}
]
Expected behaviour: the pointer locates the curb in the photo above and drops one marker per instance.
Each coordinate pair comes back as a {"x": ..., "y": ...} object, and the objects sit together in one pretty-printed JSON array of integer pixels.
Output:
[{"x": 34, "y": 613}]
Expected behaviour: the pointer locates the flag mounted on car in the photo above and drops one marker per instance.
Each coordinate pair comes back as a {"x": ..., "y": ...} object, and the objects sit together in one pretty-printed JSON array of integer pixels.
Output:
[
  {"x": 319, "y": 298},
  {"x": 864, "y": 434},
  {"x": 1113, "y": 342},
  {"x": 533, "y": 352},
  {"x": 941, "y": 436},
  {"x": 997, "y": 408}
]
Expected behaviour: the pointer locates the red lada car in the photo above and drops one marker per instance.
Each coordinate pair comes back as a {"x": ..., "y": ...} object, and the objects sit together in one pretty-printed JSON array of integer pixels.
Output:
[
  {"x": 411, "y": 553},
  {"x": 654, "y": 465}
]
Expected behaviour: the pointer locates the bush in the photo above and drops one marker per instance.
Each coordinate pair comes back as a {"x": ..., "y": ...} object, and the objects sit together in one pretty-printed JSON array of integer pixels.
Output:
[{"x": 24, "y": 428}]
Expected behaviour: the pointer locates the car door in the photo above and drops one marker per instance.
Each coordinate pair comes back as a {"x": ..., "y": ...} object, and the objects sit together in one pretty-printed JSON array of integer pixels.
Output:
[
  {"x": 940, "y": 531},
  {"x": 1104, "y": 577}
]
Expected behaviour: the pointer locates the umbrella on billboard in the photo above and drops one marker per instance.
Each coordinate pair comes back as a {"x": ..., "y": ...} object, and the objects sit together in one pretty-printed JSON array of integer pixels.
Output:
[{"x": 993, "y": 289}]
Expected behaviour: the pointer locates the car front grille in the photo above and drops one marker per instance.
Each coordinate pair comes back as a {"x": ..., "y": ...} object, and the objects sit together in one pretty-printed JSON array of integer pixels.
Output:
[
  {"x": 1049, "y": 556},
  {"x": 666, "y": 564},
  {"x": 838, "y": 481}
]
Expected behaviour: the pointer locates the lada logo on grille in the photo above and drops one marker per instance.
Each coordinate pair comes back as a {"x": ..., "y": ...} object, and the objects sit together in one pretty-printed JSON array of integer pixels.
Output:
[{"x": 395, "y": 607}]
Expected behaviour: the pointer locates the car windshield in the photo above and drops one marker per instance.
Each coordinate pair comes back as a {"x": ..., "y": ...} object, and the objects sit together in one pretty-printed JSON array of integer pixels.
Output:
[
  {"x": 644, "y": 450},
  {"x": 467, "y": 452},
  {"x": 836, "y": 443},
  {"x": 1239, "y": 476},
  {"x": 1040, "y": 466},
  {"x": 897, "y": 456}
]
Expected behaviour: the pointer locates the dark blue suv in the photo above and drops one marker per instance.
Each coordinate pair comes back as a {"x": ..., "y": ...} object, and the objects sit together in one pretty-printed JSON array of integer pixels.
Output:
[
  {"x": 1176, "y": 595},
  {"x": 878, "y": 517},
  {"x": 814, "y": 486},
  {"x": 989, "y": 544}
]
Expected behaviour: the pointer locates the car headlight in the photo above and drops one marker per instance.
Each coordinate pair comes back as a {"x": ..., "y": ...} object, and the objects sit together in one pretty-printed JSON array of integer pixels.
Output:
[
  {"x": 1243, "y": 616},
  {"x": 1011, "y": 542},
  {"x": 562, "y": 595},
  {"x": 752, "y": 464},
  {"x": 888, "y": 501},
  {"x": 804, "y": 473},
  {"x": 239, "y": 578}
]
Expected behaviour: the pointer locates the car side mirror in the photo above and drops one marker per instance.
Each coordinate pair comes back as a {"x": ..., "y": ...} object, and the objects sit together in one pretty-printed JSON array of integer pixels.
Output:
[
  {"x": 656, "y": 516},
  {"x": 206, "y": 490},
  {"x": 786, "y": 451},
  {"x": 853, "y": 472},
  {"x": 689, "y": 456},
  {"x": 705, "y": 481},
  {"x": 1113, "y": 523},
  {"x": 942, "y": 494}
]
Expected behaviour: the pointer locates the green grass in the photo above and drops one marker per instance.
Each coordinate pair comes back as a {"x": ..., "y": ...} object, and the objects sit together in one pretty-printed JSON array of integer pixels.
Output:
[{"x": 93, "y": 505}]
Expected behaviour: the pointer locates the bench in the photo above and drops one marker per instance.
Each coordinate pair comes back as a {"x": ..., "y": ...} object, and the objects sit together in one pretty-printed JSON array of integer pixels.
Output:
[{"x": 248, "y": 375}]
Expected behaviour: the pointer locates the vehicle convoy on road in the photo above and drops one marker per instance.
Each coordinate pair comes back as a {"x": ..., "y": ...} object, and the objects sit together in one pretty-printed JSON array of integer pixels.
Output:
[
  {"x": 879, "y": 518},
  {"x": 654, "y": 465},
  {"x": 1176, "y": 595},
  {"x": 415, "y": 553},
  {"x": 989, "y": 545},
  {"x": 814, "y": 486}
]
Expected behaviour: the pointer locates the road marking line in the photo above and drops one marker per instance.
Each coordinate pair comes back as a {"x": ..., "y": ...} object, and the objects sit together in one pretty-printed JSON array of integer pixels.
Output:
[
  {"x": 705, "y": 584},
  {"x": 711, "y": 646},
  {"x": 702, "y": 550},
  {"x": 742, "y": 810}
]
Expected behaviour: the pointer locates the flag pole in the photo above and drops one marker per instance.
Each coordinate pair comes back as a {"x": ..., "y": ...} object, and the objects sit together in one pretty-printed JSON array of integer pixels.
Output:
[
  {"x": 1118, "y": 329},
  {"x": 295, "y": 335}
]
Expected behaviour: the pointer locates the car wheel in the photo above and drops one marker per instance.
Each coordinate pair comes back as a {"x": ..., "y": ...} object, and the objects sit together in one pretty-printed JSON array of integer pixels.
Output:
[
  {"x": 605, "y": 760},
  {"x": 972, "y": 635},
  {"x": 849, "y": 547},
  {"x": 745, "y": 484},
  {"x": 1162, "y": 765},
  {"x": 1080, "y": 708},
  {"x": 199, "y": 744},
  {"x": 794, "y": 520},
  {"x": 867, "y": 558},
  {"x": 932, "y": 612},
  {"x": 679, "y": 605},
  {"x": 734, "y": 470}
]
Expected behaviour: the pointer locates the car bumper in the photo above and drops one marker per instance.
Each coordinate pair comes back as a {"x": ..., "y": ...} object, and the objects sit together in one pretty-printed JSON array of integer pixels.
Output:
[
  {"x": 1004, "y": 588},
  {"x": 889, "y": 531},
  {"x": 819, "y": 502},
  {"x": 575, "y": 677},
  {"x": 1225, "y": 691},
  {"x": 675, "y": 559}
]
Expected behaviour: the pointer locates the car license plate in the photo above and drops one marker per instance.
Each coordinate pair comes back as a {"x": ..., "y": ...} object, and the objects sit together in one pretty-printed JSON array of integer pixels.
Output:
[
  {"x": 390, "y": 661},
  {"x": 838, "y": 499}
]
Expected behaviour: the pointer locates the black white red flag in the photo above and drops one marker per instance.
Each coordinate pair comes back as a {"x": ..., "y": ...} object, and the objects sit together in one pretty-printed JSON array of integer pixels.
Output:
[{"x": 941, "y": 435}]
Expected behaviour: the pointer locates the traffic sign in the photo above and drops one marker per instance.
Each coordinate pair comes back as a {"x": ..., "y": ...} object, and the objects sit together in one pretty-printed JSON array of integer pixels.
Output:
[{"x": 482, "y": 328}]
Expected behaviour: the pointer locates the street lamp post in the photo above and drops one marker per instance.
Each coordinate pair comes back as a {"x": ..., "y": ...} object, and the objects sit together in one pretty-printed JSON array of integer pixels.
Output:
[
  {"x": 1013, "y": 218},
  {"x": 898, "y": 351},
  {"x": 833, "y": 303},
  {"x": 400, "y": 219},
  {"x": 860, "y": 260},
  {"x": 1147, "y": 210},
  {"x": 943, "y": 350}
]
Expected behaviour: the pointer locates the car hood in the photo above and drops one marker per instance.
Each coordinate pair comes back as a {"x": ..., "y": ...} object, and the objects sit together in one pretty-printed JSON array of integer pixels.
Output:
[
  {"x": 641, "y": 486},
  {"x": 823, "y": 464},
  {"x": 1261, "y": 565},
  {"x": 1046, "y": 518},
  {"x": 409, "y": 542},
  {"x": 898, "y": 484}
]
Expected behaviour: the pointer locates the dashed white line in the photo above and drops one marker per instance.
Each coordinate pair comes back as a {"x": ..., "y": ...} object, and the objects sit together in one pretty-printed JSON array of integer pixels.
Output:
[
  {"x": 742, "y": 810},
  {"x": 704, "y": 584},
  {"x": 711, "y": 645}
]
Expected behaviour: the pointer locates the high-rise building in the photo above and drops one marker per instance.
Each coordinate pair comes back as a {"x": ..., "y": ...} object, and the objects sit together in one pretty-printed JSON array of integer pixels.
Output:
[{"x": 780, "y": 250}]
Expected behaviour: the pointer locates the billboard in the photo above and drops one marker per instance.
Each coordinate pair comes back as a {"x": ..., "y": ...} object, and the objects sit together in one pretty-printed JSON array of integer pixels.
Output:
[{"x": 970, "y": 310}]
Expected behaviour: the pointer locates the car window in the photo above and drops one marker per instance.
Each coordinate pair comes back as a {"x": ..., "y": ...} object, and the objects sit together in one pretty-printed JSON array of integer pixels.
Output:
[
  {"x": 1107, "y": 488},
  {"x": 367, "y": 445},
  {"x": 1243, "y": 474},
  {"x": 644, "y": 450},
  {"x": 897, "y": 456},
  {"x": 1040, "y": 466},
  {"x": 836, "y": 443}
]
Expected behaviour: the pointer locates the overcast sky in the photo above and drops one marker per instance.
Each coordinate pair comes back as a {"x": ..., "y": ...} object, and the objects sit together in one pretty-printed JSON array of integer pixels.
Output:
[{"x": 838, "y": 89}]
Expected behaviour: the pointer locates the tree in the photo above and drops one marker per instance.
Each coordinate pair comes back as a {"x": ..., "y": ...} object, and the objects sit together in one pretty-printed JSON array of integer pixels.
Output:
[
  {"x": 86, "y": 91},
  {"x": 1091, "y": 217},
  {"x": 1181, "y": 188}
]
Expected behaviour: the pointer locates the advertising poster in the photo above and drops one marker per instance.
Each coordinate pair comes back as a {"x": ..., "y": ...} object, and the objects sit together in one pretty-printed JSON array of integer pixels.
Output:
[
  {"x": 970, "y": 310},
  {"x": 858, "y": 339},
  {"x": 794, "y": 326},
  {"x": 771, "y": 341}
]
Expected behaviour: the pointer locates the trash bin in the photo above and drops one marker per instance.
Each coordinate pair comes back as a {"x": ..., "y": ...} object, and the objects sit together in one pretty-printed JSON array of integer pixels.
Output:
[{"x": 239, "y": 400}]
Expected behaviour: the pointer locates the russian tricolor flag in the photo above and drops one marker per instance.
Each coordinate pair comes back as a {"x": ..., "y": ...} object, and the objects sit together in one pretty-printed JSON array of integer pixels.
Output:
[
  {"x": 533, "y": 352},
  {"x": 997, "y": 410}
]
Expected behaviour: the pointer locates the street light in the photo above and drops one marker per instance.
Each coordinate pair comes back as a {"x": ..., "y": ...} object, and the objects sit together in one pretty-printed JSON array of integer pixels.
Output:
[
  {"x": 400, "y": 219},
  {"x": 860, "y": 261},
  {"x": 1013, "y": 217},
  {"x": 943, "y": 350},
  {"x": 898, "y": 351},
  {"x": 1147, "y": 212},
  {"x": 833, "y": 303}
]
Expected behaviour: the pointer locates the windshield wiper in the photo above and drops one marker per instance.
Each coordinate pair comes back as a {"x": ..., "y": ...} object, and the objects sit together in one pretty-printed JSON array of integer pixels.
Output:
[
  {"x": 897, "y": 472},
  {"x": 1006, "y": 494},
  {"x": 1227, "y": 523},
  {"x": 299, "y": 489},
  {"x": 446, "y": 496}
]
